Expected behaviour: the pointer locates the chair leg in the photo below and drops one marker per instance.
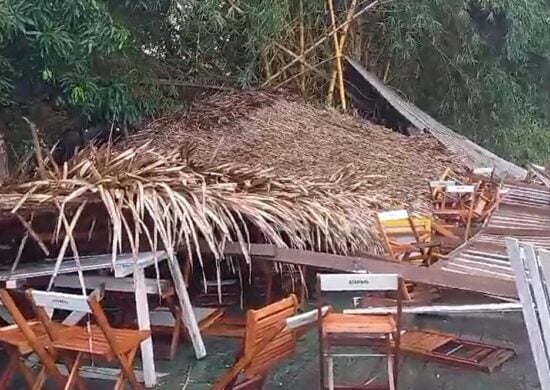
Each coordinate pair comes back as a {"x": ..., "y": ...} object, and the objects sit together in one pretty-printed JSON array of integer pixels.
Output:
[
  {"x": 27, "y": 373},
  {"x": 127, "y": 371},
  {"x": 40, "y": 379},
  {"x": 330, "y": 372},
  {"x": 391, "y": 367},
  {"x": 74, "y": 365},
  {"x": 177, "y": 331}
]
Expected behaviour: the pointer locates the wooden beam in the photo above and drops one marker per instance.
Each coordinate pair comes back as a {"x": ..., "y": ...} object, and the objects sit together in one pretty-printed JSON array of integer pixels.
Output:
[
  {"x": 378, "y": 264},
  {"x": 188, "y": 316}
]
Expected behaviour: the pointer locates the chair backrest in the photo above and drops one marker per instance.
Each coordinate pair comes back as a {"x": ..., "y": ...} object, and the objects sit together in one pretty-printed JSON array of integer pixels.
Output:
[
  {"x": 400, "y": 223},
  {"x": 398, "y": 227},
  {"x": 267, "y": 339},
  {"x": 73, "y": 302},
  {"x": 460, "y": 189},
  {"x": 357, "y": 282},
  {"x": 58, "y": 300},
  {"x": 13, "y": 310},
  {"x": 37, "y": 342}
]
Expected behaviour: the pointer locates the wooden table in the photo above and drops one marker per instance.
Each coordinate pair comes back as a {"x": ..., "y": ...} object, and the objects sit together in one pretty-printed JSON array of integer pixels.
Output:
[{"x": 124, "y": 265}]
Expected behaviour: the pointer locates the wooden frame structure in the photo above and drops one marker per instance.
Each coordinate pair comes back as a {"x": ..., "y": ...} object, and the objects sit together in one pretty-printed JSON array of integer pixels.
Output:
[
  {"x": 22, "y": 339},
  {"x": 532, "y": 274},
  {"x": 267, "y": 342},
  {"x": 457, "y": 204},
  {"x": 341, "y": 330},
  {"x": 101, "y": 340}
]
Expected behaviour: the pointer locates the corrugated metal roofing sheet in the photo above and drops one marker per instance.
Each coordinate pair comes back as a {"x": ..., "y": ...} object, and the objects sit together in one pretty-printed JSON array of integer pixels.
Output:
[
  {"x": 474, "y": 154},
  {"x": 524, "y": 213}
]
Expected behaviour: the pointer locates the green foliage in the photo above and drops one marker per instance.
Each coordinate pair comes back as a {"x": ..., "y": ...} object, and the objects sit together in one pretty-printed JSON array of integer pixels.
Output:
[
  {"x": 480, "y": 65},
  {"x": 75, "y": 53}
]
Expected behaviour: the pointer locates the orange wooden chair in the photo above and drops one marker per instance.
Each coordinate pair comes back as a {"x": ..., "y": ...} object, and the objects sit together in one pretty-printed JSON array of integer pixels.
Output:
[
  {"x": 101, "y": 340},
  {"x": 20, "y": 341},
  {"x": 267, "y": 342},
  {"x": 407, "y": 238},
  {"x": 345, "y": 330}
]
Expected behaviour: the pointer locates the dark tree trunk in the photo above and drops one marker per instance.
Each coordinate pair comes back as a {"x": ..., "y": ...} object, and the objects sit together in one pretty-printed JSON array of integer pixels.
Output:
[{"x": 4, "y": 172}]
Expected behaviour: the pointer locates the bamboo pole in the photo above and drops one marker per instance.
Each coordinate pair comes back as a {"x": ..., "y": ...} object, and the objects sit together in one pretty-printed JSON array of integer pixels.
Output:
[
  {"x": 342, "y": 44},
  {"x": 338, "y": 56},
  {"x": 303, "y": 62},
  {"x": 295, "y": 76},
  {"x": 320, "y": 41}
]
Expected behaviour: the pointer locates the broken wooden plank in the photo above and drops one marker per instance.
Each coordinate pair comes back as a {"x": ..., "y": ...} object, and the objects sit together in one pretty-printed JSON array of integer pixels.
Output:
[{"x": 377, "y": 264}]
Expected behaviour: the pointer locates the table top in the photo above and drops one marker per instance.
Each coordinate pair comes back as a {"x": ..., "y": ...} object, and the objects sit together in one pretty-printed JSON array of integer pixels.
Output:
[{"x": 124, "y": 265}]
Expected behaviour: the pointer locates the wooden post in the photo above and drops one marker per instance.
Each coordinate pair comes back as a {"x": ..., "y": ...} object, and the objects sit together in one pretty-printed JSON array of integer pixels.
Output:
[
  {"x": 142, "y": 309},
  {"x": 188, "y": 315}
]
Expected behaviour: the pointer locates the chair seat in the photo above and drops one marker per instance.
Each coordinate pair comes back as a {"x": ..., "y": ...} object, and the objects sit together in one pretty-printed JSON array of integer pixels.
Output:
[
  {"x": 338, "y": 323},
  {"x": 13, "y": 336},
  {"x": 454, "y": 212},
  {"x": 95, "y": 342}
]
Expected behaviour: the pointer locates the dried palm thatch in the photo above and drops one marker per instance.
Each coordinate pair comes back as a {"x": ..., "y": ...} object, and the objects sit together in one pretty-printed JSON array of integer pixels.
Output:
[
  {"x": 171, "y": 202},
  {"x": 275, "y": 130},
  {"x": 248, "y": 167}
]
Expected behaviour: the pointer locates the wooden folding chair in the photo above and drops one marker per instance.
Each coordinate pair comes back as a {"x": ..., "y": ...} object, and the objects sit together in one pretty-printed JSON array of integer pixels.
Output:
[
  {"x": 101, "y": 340},
  {"x": 407, "y": 238},
  {"x": 162, "y": 289},
  {"x": 20, "y": 341},
  {"x": 349, "y": 330},
  {"x": 267, "y": 342},
  {"x": 458, "y": 205}
]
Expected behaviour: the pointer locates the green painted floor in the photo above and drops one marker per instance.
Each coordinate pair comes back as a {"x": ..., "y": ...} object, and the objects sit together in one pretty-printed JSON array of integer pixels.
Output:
[{"x": 302, "y": 371}]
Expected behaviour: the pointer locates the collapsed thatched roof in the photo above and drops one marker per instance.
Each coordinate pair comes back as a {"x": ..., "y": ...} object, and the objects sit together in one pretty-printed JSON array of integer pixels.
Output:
[
  {"x": 265, "y": 167},
  {"x": 278, "y": 132}
]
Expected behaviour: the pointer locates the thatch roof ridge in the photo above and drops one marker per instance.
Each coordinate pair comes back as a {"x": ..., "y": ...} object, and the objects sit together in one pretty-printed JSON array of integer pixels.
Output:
[{"x": 292, "y": 137}]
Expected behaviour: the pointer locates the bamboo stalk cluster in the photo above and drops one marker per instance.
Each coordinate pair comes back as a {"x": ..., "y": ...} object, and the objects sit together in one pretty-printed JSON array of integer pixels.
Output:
[{"x": 311, "y": 54}]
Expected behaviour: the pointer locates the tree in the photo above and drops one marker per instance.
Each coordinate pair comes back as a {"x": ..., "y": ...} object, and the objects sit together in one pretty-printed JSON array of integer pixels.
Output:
[
  {"x": 75, "y": 56},
  {"x": 480, "y": 66}
]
